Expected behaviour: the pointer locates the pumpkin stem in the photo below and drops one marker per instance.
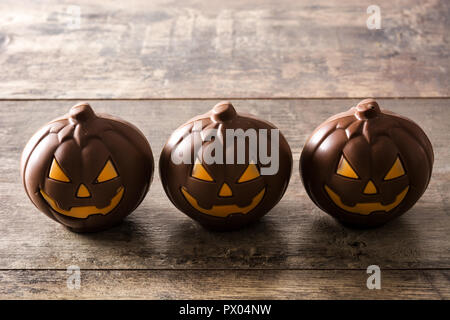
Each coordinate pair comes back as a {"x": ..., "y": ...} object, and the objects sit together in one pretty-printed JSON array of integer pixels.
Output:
[
  {"x": 81, "y": 112},
  {"x": 223, "y": 111},
  {"x": 366, "y": 109}
]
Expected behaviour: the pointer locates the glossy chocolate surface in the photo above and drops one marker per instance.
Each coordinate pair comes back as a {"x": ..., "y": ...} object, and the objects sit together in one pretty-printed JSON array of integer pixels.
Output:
[
  {"x": 87, "y": 171},
  {"x": 366, "y": 166},
  {"x": 223, "y": 196}
]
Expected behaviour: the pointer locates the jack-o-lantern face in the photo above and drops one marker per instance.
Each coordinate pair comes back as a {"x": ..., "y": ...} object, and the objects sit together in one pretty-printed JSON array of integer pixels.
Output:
[
  {"x": 366, "y": 166},
  {"x": 370, "y": 190},
  {"x": 223, "y": 190},
  {"x": 86, "y": 171},
  {"x": 222, "y": 196},
  {"x": 108, "y": 173}
]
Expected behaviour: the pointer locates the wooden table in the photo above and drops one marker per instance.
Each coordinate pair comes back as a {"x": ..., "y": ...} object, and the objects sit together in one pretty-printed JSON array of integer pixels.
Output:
[{"x": 156, "y": 65}]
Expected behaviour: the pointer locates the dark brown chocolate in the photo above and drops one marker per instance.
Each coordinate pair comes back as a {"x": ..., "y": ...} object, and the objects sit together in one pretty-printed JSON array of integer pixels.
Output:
[
  {"x": 223, "y": 196},
  {"x": 87, "y": 171},
  {"x": 366, "y": 166}
]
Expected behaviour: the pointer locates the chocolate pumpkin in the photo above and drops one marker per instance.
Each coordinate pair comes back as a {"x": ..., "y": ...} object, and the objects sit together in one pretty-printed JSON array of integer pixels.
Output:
[
  {"x": 366, "y": 166},
  {"x": 87, "y": 171},
  {"x": 223, "y": 196}
]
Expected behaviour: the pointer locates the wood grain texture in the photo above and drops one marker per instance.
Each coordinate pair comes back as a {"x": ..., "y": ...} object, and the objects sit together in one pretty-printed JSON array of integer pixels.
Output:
[
  {"x": 225, "y": 284},
  {"x": 294, "y": 235},
  {"x": 210, "y": 49}
]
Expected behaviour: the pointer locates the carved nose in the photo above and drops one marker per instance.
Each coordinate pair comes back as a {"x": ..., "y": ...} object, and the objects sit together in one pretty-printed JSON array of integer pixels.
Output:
[
  {"x": 225, "y": 191},
  {"x": 83, "y": 192},
  {"x": 370, "y": 188}
]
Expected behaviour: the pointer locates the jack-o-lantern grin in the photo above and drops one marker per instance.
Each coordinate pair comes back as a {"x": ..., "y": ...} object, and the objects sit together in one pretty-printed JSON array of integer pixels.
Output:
[
  {"x": 366, "y": 208},
  {"x": 83, "y": 212},
  {"x": 224, "y": 210}
]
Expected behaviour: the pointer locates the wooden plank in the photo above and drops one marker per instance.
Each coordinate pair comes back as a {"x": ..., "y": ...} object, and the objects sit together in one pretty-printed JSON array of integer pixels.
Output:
[
  {"x": 213, "y": 49},
  {"x": 295, "y": 234},
  {"x": 225, "y": 284}
]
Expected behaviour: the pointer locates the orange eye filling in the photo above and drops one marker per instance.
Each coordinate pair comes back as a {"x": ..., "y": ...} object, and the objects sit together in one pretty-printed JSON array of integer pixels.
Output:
[
  {"x": 250, "y": 173},
  {"x": 108, "y": 173},
  {"x": 199, "y": 172},
  {"x": 56, "y": 173},
  {"x": 345, "y": 169},
  {"x": 396, "y": 170}
]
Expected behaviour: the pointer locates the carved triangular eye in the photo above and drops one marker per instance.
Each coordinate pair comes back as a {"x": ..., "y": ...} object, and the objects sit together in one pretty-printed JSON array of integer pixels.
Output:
[
  {"x": 108, "y": 173},
  {"x": 344, "y": 169},
  {"x": 56, "y": 172},
  {"x": 199, "y": 172},
  {"x": 395, "y": 171},
  {"x": 250, "y": 173}
]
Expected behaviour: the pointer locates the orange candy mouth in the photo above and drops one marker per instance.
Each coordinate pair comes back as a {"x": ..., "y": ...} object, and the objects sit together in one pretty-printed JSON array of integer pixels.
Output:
[
  {"x": 83, "y": 212},
  {"x": 223, "y": 210},
  {"x": 366, "y": 208}
]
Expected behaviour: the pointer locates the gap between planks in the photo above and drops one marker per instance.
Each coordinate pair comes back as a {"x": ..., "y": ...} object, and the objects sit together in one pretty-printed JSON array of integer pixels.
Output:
[
  {"x": 223, "y": 98},
  {"x": 226, "y": 269}
]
